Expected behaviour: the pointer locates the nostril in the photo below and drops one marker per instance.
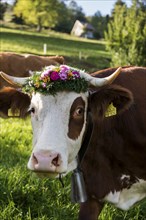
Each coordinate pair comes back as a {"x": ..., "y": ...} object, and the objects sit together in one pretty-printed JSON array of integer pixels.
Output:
[
  {"x": 34, "y": 159},
  {"x": 45, "y": 161},
  {"x": 55, "y": 161}
]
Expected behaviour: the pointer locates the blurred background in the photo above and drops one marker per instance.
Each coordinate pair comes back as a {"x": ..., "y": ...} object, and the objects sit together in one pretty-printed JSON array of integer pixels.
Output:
[{"x": 117, "y": 28}]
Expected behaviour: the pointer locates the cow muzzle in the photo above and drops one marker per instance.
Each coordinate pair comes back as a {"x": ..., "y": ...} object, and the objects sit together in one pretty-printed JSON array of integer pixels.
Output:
[{"x": 46, "y": 163}]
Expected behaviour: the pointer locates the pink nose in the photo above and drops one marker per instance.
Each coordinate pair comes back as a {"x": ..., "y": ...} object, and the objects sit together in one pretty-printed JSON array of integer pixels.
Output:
[{"x": 45, "y": 161}]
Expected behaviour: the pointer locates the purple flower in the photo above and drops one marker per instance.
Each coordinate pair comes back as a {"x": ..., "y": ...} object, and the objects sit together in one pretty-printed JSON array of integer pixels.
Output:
[
  {"x": 76, "y": 74},
  {"x": 63, "y": 75},
  {"x": 54, "y": 76},
  {"x": 64, "y": 68}
]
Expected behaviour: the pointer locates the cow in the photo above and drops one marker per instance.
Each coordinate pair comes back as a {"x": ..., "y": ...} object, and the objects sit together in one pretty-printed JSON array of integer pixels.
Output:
[
  {"x": 22, "y": 65},
  {"x": 68, "y": 124}
]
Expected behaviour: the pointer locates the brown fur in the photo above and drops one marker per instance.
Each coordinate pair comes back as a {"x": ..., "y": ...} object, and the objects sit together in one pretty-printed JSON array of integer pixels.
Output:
[
  {"x": 118, "y": 144},
  {"x": 20, "y": 65},
  {"x": 15, "y": 100},
  {"x": 76, "y": 121}
]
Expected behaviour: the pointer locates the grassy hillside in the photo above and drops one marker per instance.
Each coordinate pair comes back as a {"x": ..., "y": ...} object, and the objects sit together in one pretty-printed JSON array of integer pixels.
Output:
[
  {"x": 22, "y": 195},
  {"x": 92, "y": 52}
]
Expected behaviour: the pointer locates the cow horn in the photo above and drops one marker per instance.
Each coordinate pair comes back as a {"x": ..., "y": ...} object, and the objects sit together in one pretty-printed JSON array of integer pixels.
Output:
[
  {"x": 16, "y": 81},
  {"x": 98, "y": 82}
]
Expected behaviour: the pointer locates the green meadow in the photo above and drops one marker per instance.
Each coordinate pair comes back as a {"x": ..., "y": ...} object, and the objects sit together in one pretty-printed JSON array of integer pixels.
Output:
[
  {"x": 23, "y": 196},
  {"x": 83, "y": 53}
]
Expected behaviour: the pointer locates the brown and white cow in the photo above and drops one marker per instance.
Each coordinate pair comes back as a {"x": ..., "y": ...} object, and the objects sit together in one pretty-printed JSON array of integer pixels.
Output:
[
  {"x": 21, "y": 65},
  {"x": 112, "y": 153}
]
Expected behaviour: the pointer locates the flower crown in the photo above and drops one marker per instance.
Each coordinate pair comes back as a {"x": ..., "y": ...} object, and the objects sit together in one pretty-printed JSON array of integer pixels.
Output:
[{"x": 56, "y": 78}]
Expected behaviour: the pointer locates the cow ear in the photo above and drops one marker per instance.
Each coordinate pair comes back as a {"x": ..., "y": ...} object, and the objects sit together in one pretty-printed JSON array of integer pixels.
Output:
[
  {"x": 120, "y": 97},
  {"x": 14, "y": 101}
]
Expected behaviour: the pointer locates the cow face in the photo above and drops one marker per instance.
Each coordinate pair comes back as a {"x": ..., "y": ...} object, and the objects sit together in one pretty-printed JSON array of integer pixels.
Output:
[
  {"x": 58, "y": 121},
  {"x": 58, "y": 124}
]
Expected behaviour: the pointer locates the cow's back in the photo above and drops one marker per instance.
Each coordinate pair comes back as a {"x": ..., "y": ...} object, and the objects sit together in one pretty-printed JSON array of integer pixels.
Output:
[{"x": 20, "y": 65}]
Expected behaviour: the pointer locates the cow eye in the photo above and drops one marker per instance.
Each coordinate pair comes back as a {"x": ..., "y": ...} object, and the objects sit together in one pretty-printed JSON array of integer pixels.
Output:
[{"x": 79, "y": 111}]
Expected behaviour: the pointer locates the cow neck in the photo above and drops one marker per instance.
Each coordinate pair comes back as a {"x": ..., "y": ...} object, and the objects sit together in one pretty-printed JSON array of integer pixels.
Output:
[
  {"x": 86, "y": 139},
  {"x": 78, "y": 188}
]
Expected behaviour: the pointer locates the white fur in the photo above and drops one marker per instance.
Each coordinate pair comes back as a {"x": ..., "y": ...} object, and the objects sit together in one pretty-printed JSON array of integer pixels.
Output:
[
  {"x": 127, "y": 197},
  {"x": 50, "y": 127}
]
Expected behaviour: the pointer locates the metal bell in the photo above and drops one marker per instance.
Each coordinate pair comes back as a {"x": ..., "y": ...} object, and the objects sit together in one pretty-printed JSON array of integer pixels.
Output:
[{"x": 78, "y": 190}]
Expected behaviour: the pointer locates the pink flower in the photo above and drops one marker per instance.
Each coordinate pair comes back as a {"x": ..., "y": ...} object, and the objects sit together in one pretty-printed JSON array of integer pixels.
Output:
[
  {"x": 45, "y": 73},
  {"x": 54, "y": 76},
  {"x": 44, "y": 85}
]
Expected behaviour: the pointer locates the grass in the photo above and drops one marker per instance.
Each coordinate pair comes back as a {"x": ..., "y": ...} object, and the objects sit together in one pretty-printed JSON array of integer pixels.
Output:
[
  {"x": 22, "y": 195},
  {"x": 92, "y": 53}
]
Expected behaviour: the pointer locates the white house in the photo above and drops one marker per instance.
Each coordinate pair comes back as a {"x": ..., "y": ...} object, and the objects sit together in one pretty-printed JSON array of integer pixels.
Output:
[{"x": 82, "y": 29}]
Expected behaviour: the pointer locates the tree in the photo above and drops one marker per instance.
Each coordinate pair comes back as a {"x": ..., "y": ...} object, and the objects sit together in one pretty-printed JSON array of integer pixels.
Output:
[
  {"x": 42, "y": 13},
  {"x": 18, "y": 19},
  {"x": 126, "y": 35},
  {"x": 118, "y": 4},
  {"x": 68, "y": 15},
  {"x": 3, "y": 8},
  {"x": 76, "y": 12},
  {"x": 99, "y": 22},
  {"x": 64, "y": 23}
]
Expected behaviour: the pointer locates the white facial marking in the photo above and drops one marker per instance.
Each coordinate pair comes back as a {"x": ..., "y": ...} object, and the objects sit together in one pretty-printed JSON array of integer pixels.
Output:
[
  {"x": 127, "y": 197},
  {"x": 50, "y": 121}
]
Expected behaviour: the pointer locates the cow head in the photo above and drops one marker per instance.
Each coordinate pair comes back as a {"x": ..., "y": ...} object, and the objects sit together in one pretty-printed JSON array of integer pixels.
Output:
[{"x": 59, "y": 120}]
